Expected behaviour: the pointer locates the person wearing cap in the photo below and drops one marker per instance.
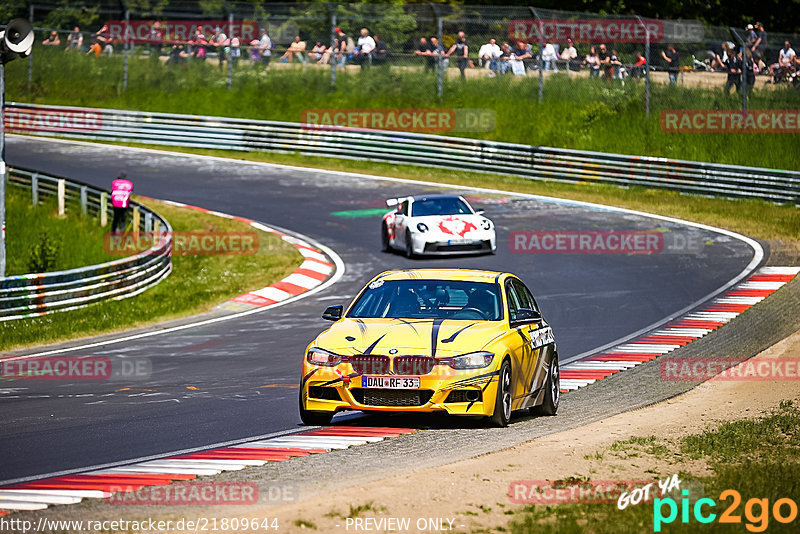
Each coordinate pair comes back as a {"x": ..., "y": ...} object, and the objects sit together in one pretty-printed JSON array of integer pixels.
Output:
[
  {"x": 733, "y": 65},
  {"x": 340, "y": 45},
  {"x": 569, "y": 54}
]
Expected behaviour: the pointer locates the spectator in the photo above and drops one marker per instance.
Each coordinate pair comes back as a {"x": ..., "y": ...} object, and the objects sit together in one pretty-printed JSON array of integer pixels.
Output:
[
  {"x": 759, "y": 48},
  {"x": 156, "y": 39},
  {"x": 438, "y": 54},
  {"x": 380, "y": 55},
  {"x": 52, "y": 40},
  {"x": 264, "y": 48},
  {"x": 255, "y": 52},
  {"x": 786, "y": 62},
  {"x": 752, "y": 37},
  {"x": 177, "y": 55},
  {"x": 673, "y": 60},
  {"x": 616, "y": 65},
  {"x": 223, "y": 44},
  {"x": 488, "y": 55},
  {"x": 720, "y": 57},
  {"x": 733, "y": 66},
  {"x": 103, "y": 36},
  {"x": 461, "y": 50},
  {"x": 199, "y": 43},
  {"x": 341, "y": 47},
  {"x": 549, "y": 56},
  {"x": 519, "y": 54},
  {"x": 362, "y": 55},
  {"x": 592, "y": 61},
  {"x": 318, "y": 53},
  {"x": 504, "y": 61},
  {"x": 75, "y": 39},
  {"x": 236, "y": 51},
  {"x": 604, "y": 60},
  {"x": 95, "y": 48},
  {"x": 424, "y": 50},
  {"x": 638, "y": 70},
  {"x": 569, "y": 54},
  {"x": 296, "y": 49}
]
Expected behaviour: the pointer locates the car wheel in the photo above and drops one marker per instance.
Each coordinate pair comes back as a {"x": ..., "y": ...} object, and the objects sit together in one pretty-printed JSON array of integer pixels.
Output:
[
  {"x": 502, "y": 405},
  {"x": 314, "y": 418},
  {"x": 409, "y": 248},
  {"x": 552, "y": 392},
  {"x": 384, "y": 237}
]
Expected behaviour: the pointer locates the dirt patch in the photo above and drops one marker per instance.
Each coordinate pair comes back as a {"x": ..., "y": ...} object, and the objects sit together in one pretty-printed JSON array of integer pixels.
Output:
[{"x": 473, "y": 494}]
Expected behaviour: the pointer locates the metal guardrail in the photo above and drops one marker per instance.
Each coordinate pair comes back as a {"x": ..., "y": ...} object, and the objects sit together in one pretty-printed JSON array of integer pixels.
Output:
[
  {"x": 31, "y": 295},
  {"x": 455, "y": 153}
]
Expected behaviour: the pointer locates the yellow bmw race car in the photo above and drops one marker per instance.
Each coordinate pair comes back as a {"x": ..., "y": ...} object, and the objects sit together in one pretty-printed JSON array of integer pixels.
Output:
[{"x": 457, "y": 341}]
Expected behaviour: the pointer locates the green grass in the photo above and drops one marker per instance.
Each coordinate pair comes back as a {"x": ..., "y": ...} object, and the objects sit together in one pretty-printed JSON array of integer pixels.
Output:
[
  {"x": 77, "y": 240},
  {"x": 197, "y": 283},
  {"x": 736, "y": 453},
  {"x": 576, "y": 113}
]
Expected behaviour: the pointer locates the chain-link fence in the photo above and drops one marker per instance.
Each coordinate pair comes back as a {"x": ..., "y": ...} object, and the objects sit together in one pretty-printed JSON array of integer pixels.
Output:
[{"x": 536, "y": 52}]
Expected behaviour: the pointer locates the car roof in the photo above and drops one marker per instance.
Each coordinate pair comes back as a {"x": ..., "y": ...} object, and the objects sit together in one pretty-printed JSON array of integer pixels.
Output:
[{"x": 465, "y": 275}]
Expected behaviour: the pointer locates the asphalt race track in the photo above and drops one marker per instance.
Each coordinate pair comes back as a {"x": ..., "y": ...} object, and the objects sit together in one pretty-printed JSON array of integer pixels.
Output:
[{"x": 238, "y": 378}]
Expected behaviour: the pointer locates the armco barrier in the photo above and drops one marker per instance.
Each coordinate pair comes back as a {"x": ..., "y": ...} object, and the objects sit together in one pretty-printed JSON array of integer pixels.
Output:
[
  {"x": 31, "y": 295},
  {"x": 540, "y": 163}
]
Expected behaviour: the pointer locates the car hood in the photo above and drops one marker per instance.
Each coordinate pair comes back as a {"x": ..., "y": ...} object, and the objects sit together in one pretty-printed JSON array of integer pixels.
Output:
[
  {"x": 419, "y": 337},
  {"x": 456, "y": 226}
]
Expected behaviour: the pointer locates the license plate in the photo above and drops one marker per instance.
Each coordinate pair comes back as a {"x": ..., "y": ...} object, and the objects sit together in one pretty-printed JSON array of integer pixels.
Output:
[{"x": 390, "y": 382}]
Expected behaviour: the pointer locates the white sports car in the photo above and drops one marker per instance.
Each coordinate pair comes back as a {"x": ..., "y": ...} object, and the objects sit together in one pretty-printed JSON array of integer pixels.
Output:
[{"x": 436, "y": 224}]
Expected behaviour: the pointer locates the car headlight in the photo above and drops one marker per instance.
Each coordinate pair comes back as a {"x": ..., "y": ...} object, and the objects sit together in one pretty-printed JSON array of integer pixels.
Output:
[
  {"x": 473, "y": 360},
  {"x": 422, "y": 227},
  {"x": 319, "y": 356}
]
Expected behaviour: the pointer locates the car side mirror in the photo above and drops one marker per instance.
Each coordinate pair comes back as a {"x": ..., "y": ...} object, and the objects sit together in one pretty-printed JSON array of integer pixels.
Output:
[
  {"x": 480, "y": 211},
  {"x": 333, "y": 313},
  {"x": 527, "y": 315}
]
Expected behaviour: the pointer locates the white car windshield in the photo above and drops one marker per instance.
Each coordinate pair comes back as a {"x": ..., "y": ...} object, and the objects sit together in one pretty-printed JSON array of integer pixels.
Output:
[
  {"x": 429, "y": 299},
  {"x": 439, "y": 206}
]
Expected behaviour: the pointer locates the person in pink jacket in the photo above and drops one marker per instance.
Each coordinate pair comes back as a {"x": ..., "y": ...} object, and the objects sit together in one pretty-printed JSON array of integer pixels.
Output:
[{"x": 121, "y": 189}]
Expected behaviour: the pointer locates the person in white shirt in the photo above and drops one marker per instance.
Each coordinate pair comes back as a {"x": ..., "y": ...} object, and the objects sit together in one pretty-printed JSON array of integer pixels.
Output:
[
  {"x": 489, "y": 54},
  {"x": 569, "y": 54},
  {"x": 265, "y": 47},
  {"x": 549, "y": 57},
  {"x": 364, "y": 49},
  {"x": 786, "y": 61}
]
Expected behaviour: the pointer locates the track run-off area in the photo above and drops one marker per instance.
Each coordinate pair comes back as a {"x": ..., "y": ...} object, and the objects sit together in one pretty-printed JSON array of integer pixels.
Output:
[{"x": 225, "y": 381}]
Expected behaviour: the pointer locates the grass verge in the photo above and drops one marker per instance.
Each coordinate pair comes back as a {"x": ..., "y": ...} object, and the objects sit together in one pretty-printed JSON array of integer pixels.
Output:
[
  {"x": 197, "y": 283},
  {"x": 734, "y": 452},
  {"x": 575, "y": 113},
  {"x": 39, "y": 240}
]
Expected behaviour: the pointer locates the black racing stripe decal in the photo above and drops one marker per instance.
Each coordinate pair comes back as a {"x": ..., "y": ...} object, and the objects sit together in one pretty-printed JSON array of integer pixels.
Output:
[
  {"x": 479, "y": 378},
  {"x": 374, "y": 344},
  {"x": 522, "y": 335},
  {"x": 362, "y": 327},
  {"x": 437, "y": 323},
  {"x": 455, "y": 334},
  {"x": 305, "y": 378},
  {"x": 410, "y": 324}
]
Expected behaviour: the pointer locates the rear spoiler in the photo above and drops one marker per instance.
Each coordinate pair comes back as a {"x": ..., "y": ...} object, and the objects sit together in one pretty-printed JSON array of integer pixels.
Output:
[{"x": 392, "y": 202}]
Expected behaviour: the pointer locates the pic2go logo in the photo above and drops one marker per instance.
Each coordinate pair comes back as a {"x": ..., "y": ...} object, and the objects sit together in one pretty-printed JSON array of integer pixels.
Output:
[{"x": 756, "y": 511}]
